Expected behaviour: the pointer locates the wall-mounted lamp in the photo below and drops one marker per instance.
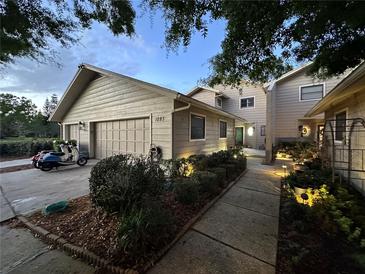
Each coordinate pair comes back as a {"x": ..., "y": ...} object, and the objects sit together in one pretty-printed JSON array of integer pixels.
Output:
[
  {"x": 250, "y": 131},
  {"x": 81, "y": 124}
]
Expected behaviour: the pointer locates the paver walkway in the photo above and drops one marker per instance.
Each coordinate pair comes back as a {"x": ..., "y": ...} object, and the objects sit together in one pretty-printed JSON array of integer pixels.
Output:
[{"x": 238, "y": 234}]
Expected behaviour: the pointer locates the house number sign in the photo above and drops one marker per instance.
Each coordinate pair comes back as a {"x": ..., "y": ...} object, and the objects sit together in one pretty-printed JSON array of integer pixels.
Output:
[{"x": 159, "y": 119}]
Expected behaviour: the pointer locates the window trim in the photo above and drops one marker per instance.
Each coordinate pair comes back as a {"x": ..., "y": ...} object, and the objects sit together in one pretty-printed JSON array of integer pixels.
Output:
[
  {"x": 205, "y": 126},
  {"x": 340, "y": 142},
  {"x": 310, "y": 85},
  {"x": 219, "y": 129},
  {"x": 246, "y": 97},
  {"x": 221, "y": 100}
]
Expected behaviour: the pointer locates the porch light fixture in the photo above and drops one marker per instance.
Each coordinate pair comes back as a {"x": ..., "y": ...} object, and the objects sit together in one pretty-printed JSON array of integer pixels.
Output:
[{"x": 250, "y": 131}]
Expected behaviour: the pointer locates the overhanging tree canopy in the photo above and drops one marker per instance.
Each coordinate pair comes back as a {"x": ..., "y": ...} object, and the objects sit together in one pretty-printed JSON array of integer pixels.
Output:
[{"x": 261, "y": 38}]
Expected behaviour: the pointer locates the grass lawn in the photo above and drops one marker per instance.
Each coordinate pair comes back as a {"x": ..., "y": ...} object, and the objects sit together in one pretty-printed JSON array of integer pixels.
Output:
[{"x": 22, "y": 139}]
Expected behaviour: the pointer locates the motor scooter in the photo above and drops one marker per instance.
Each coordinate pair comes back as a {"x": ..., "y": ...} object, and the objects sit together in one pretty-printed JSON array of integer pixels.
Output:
[
  {"x": 39, "y": 156},
  {"x": 64, "y": 158}
]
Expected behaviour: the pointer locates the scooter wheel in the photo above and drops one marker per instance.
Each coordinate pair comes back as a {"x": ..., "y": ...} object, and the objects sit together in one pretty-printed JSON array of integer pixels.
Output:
[
  {"x": 35, "y": 164},
  {"x": 46, "y": 167},
  {"x": 82, "y": 161}
]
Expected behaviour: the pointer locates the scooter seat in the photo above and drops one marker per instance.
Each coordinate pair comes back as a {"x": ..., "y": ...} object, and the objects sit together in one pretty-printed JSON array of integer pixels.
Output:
[{"x": 57, "y": 153}]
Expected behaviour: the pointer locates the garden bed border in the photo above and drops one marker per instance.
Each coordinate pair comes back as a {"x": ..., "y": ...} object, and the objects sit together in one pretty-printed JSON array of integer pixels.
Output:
[{"x": 96, "y": 260}]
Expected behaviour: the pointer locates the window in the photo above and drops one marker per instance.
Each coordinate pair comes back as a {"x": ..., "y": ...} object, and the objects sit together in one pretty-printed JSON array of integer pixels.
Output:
[
  {"x": 248, "y": 102},
  {"x": 218, "y": 102},
  {"x": 262, "y": 130},
  {"x": 222, "y": 129},
  {"x": 340, "y": 126},
  {"x": 197, "y": 127},
  {"x": 309, "y": 93}
]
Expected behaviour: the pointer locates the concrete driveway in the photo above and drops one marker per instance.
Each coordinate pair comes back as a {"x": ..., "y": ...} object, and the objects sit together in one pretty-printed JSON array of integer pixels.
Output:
[{"x": 32, "y": 189}]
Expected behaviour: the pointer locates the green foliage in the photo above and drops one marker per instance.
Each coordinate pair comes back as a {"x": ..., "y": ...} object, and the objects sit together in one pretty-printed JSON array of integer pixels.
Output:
[
  {"x": 221, "y": 174},
  {"x": 322, "y": 31},
  {"x": 122, "y": 182},
  {"x": 25, "y": 147},
  {"x": 30, "y": 28},
  {"x": 144, "y": 229},
  {"x": 299, "y": 151},
  {"x": 309, "y": 178},
  {"x": 186, "y": 190},
  {"x": 19, "y": 117},
  {"x": 208, "y": 182}
]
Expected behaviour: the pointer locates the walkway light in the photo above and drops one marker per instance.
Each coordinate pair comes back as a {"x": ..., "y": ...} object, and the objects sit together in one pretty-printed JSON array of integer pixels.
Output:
[{"x": 285, "y": 169}]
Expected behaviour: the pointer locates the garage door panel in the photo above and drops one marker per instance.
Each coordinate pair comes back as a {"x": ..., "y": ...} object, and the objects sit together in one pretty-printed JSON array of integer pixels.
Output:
[{"x": 123, "y": 136}]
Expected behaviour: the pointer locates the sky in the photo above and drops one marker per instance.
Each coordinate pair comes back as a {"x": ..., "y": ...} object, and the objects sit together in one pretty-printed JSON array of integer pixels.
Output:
[{"x": 142, "y": 57}]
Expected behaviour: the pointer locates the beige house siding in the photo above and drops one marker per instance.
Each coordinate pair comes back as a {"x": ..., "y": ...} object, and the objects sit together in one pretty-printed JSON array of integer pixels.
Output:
[
  {"x": 184, "y": 147},
  {"x": 289, "y": 109},
  {"x": 355, "y": 107},
  {"x": 112, "y": 98},
  {"x": 256, "y": 115},
  {"x": 205, "y": 96}
]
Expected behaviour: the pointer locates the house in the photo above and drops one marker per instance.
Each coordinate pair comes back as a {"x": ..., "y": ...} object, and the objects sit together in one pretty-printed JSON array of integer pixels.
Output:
[
  {"x": 344, "y": 132},
  {"x": 289, "y": 98},
  {"x": 247, "y": 101},
  {"x": 109, "y": 113}
]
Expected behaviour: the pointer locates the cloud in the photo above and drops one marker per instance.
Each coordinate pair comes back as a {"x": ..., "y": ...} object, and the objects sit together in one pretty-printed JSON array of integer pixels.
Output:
[{"x": 97, "y": 46}]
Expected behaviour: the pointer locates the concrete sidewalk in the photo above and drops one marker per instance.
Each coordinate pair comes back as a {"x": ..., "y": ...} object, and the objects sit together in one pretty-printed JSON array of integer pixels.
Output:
[
  {"x": 12, "y": 163},
  {"x": 21, "y": 253},
  {"x": 238, "y": 234}
]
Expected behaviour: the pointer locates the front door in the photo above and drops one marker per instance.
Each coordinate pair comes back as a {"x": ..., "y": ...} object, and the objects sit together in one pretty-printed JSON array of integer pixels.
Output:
[{"x": 239, "y": 136}]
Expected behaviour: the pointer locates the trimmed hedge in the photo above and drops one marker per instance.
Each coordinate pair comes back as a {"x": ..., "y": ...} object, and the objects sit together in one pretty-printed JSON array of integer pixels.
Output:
[
  {"x": 208, "y": 182},
  {"x": 121, "y": 183},
  {"x": 24, "y": 148},
  {"x": 186, "y": 190},
  {"x": 221, "y": 174}
]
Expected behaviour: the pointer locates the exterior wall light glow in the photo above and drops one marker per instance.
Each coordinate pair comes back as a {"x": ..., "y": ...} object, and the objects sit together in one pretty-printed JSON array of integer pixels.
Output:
[{"x": 250, "y": 131}]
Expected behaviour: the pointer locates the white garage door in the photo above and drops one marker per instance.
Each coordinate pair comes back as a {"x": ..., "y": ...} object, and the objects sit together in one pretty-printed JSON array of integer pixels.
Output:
[{"x": 122, "y": 136}]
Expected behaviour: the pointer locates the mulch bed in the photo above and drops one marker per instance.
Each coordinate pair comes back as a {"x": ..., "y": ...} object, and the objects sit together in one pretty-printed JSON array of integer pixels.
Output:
[
  {"x": 83, "y": 225},
  {"x": 311, "y": 252}
]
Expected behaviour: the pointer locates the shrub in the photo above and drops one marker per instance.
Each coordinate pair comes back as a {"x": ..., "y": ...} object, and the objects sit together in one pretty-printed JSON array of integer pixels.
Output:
[
  {"x": 208, "y": 182},
  {"x": 231, "y": 170},
  {"x": 186, "y": 190},
  {"x": 199, "y": 162},
  {"x": 122, "y": 182},
  {"x": 221, "y": 174},
  {"x": 144, "y": 229},
  {"x": 24, "y": 148}
]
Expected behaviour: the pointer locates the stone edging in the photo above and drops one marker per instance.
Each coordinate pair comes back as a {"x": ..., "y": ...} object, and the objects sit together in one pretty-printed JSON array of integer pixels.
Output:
[
  {"x": 98, "y": 261},
  {"x": 188, "y": 225},
  {"x": 73, "y": 250}
]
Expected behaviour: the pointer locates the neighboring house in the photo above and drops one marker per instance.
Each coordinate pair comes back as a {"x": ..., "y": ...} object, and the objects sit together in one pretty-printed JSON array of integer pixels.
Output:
[
  {"x": 247, "y": 101},
  {"x": 344, "y": 134},
  {"x": 288, "y": 100},
  {"x": 109, "y": 113}
]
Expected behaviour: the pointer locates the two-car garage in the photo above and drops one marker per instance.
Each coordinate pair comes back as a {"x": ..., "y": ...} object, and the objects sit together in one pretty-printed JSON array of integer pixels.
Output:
[
  {"x": 113, "y": 137},
  {"x": 122, "y": 136}
]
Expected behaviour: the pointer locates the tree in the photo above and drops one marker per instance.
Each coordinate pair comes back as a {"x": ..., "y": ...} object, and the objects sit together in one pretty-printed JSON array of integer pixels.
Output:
[
  {"x": 29, "y": 28},
  {"x": 53, "y": 103},
  {"x": 46, "y": 108},
  {"x": 263, "y": 37},
  {"x": 16, "y": 115}
]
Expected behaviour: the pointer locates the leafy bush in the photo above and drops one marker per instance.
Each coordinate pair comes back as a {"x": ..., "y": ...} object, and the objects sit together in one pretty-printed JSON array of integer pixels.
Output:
[
  {"x": 231, "y": 171},
  {"x": 308, "y": 178},
  {"x": 221, "y": 174},
  {"x": 186, "y": 190},
  {"x": 199, "y": 162},
  {"x": 24, "y": 148},
  {"x": 208, "y": 182},
  {"x": 122, "y": 182},
  {"x": 144, "y": 229}
]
